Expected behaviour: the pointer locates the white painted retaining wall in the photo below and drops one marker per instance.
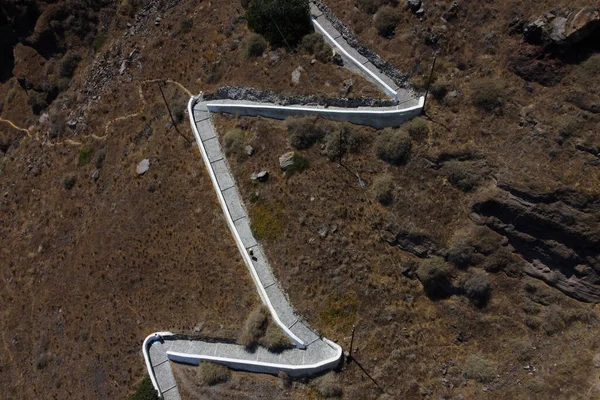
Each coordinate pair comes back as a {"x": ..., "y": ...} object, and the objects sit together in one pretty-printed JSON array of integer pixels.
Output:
[
  {"x": 376, "y": 117},
  {"x": 356, "y": 65},
  {"x": 145, "y": 346},
  {"x": 263, "y": 367},
  {"x": 261, "y": 289}
]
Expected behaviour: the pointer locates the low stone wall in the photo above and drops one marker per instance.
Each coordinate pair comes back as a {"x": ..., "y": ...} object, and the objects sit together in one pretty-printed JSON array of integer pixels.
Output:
[{"x": 376, "y": 117}]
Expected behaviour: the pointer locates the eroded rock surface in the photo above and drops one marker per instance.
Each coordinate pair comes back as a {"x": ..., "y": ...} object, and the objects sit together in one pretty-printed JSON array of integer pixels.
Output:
[{"x": 557, "y": 233}]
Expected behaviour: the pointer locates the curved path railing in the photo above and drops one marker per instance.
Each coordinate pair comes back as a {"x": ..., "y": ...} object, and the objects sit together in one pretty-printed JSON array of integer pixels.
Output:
[{"x": 312, "y": 354}]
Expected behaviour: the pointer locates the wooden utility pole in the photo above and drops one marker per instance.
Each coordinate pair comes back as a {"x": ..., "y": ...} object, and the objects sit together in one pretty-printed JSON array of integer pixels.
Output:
[
  {"x": 171, "y": 114},
  {"x": 429, "y": 83}
]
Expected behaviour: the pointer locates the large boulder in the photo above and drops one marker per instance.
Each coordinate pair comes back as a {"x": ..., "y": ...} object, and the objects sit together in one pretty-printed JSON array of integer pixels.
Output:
[{"x": 563, "y": 27}]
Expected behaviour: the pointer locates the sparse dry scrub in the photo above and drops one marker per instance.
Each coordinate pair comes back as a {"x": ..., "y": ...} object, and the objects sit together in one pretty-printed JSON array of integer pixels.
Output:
[
  {"x": 393, "y": 146},
  {"x": 213, "y": 373},
  {"x": 383, "y": 189}
]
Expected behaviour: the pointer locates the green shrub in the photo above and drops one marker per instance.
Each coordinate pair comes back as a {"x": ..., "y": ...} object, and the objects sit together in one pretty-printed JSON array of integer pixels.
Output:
[
  {"x": 314, "y": 43},
  {"x": 461, "y": 177},
  {"x": 434, "y": 274},
  {"x": 68, "y": 64},
  {"x": 37, "y": 101},
  {"x": 439, "y": 89},
  {"x": 300, "y": 164},
  {"x": 417, "y": 128},
  {"x": 393, "y": 146},
  {"x": 274, "y": 339},
  {"x": 85, "y": 154},
  {"x": 98, "y": 42},
  {"x": 488, "y": 94},
  {"x": 461, "y": 252},
  {"x": 383, "y": 189},
  {"x": 266, "y": 221},
  {"x": 305, "y": 131},
  {"x": 213, "y": 373},
  {"x": 69, "y": 181},
  {"x": 281, "y": 22},
  {"x": 234, "y": 143},
  {"x": 145, "y": 391},
  {"x": 477, "y": 287},
  {"x": 255, "y": 326},
  {"x": 186, "y": 25},
  {"x": 386, "y": 20},
  {"x": 345, "y": 140},
  {"x": 480, "y": 369},
  {"x": 178, "y": 110},
  {"x": 328, "y": 386},
  {"x": 254, "y": 46}
]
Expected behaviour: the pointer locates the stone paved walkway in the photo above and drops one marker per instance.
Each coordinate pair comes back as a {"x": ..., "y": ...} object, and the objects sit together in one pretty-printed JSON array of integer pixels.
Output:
[{"x": 312, "y": 353}]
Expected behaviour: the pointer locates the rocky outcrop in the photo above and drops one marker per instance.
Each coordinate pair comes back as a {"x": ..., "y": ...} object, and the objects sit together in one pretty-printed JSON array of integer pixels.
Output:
[
  {"x": 558, "y": 233},
  {"x": 563, "y": 27}
]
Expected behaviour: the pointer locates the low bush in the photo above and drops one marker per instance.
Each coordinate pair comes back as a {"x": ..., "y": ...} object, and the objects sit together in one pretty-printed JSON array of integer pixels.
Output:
[
  {"x": 274, "y": 339},
  {"x": 477, "y": 287},
  {"x": 439, "y": 89},
  {"x": 488, "y": 94},
  {"x": 255, "y": 327},
  {"x": 68, "y": 64},
  {"x": 393, "y": 146},
  {"x": 328, "y": 386},
  {"x": 385, "y": 21},
  {"x": 300, "y": 163},
  {"x": 315, "y": 44},
  {"x": 37, "y": 101},
  {"x": 69, "y": 181},
  {"x": 234, "y": 143},
  {"x": 461, "y": 176},
  {"x": 344, "y": 140},
  {"x": 305, "y": 131},
  {"x": 98, "y": 42},
  {"x": 266, "y": 221},
  {"x": 254, "y": 46},
  {"x": 99, "y": 158},
  {"x": 145, "y": 391},
  {"x": 85, "y": 154},
  {"x": 417, "y": 128},
  {"x": 434, "y": 274},
  {"x": 213, "y": 374},
  {"x": 186, "y": 25},
  {"x": 480, "y": 369},
  {"x": 383, "y": 189},
  {"x": 178, "y": 110},
  {"x": 461, "y": 252}
]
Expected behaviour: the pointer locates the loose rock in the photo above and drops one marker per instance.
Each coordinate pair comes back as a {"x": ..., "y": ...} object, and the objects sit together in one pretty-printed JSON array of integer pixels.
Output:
[
  {"x": 296, "y": 74},
  {"x": 143, "y": 166},
  {"x": 96, "y": 175},
  {"x": 286, "y": 160},
  {"x": 261, "y": 176},
  {"x": 249, "y": 150}
]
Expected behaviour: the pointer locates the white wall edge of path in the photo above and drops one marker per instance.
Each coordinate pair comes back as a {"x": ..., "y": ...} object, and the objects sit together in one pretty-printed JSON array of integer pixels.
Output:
[
  {"x": 261, "y": 290},
  {"x": 378, "y": 118},
  {"x": 145, "y": 346},
  {"x": 263, "y": 367},
  {"x": 387, "y": 88}
]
